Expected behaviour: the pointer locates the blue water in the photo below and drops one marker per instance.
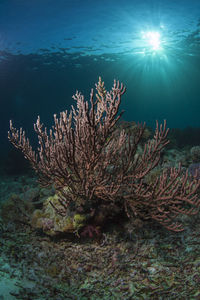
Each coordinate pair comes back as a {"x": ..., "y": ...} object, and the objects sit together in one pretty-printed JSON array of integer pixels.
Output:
[{"x": 49, "y": 49}]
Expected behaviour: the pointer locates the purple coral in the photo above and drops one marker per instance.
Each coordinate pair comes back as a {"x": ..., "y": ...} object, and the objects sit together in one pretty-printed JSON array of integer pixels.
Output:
[
  {"x": 91, "y": 231},
  {"x": 194, "y": 170}
]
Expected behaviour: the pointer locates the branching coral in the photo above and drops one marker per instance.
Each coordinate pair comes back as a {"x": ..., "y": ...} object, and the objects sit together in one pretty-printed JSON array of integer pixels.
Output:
[{"x": 94, "y": 169}]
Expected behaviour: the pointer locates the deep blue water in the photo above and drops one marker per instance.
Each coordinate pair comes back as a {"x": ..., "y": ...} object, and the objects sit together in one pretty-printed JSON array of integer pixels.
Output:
[{"x": 49, "y": 49}]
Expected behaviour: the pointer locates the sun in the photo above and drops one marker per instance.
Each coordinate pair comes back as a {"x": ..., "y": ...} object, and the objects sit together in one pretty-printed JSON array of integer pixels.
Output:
[{"x": 152, "y": 40}]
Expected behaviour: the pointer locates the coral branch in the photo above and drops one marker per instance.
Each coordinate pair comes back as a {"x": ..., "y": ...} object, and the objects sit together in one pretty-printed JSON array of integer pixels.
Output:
[{"x": 92, "y": 164}]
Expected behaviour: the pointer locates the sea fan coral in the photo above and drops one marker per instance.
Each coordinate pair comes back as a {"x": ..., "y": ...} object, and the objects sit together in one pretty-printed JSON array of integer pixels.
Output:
[{"x": 93, "y": 166}]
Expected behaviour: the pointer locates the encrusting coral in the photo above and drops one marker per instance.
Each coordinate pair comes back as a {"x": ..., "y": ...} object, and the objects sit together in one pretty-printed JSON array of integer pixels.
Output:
[{"x": 98, "y": 171}]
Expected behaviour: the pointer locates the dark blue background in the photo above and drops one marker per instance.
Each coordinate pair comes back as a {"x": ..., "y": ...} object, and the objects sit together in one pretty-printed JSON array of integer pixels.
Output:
[{"x": 48, "y": 49}]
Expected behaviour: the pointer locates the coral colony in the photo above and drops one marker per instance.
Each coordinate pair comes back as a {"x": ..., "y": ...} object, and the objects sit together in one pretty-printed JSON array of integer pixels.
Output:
[{"x": 98, "y": 171}]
